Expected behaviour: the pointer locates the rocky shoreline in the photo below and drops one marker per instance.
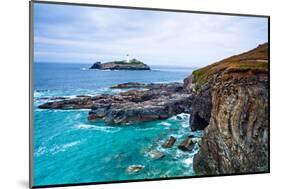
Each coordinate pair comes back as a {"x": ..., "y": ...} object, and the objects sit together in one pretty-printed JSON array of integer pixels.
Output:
[
  {"x": 143, "y": 102},
  {"x": 227, "y": 99}
]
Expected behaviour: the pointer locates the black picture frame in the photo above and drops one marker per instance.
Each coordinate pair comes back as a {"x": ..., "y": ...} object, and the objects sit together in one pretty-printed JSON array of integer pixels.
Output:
[{"x": 31, "y": 89}]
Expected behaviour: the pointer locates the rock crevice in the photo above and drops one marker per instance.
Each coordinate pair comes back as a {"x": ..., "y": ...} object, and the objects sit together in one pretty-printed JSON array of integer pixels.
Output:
[{"x": 231, "y": 106}]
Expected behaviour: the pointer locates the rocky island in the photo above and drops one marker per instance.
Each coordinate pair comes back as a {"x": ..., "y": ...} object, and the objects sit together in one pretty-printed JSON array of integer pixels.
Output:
[
  {"x": 121, "y": 65},
  {"x": 227, "y": 99}
]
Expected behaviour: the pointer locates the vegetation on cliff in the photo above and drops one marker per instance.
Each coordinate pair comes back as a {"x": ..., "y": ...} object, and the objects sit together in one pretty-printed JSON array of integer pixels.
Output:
[
  {"x": 253, "y": 61},
  {"x": 231, "y": 105},
  {"x": 133, "y": 61}
]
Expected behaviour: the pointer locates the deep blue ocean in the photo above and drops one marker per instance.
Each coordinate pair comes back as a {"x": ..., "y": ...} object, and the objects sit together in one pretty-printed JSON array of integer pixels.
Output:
[{"x": 68, "y": 149}]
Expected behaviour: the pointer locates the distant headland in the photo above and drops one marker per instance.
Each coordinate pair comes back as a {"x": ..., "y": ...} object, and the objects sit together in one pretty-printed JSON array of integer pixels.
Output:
[{"x": 132, "y": 64}]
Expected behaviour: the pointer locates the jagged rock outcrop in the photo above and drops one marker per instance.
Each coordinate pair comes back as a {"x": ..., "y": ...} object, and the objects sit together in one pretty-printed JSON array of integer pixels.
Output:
[
  {"x": 96, "y": 65},
  {"x": 120, "y": 65},
  {"x": 157, "y": 101},
  {"x": 187, "y": 145},
  {"x": 231, "y": 105}
]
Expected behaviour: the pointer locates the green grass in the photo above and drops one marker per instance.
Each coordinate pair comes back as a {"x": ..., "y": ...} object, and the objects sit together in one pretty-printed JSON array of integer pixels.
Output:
[
  {"x": 202, "y": 75},
  {"x": 252, "y": 62},
  {"x": 254, "y": 66},
  {"x": 133, "y": 61},
  {"x": 199, "y": 75}
]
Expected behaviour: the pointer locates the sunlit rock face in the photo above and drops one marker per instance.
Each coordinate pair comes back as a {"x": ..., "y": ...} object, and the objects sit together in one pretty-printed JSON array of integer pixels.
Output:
[{"x": 231, "y": 106}]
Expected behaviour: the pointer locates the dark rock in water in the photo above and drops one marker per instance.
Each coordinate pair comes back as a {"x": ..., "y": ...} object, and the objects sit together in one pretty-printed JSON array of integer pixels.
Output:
[
  {"x": 179, "y": 117},
  {"x": 154, "y": 154},
  {"x": 187, "y": 145},
  {"x": 75, "y": 103},
  {"x": 170, "y": 87},
  {"x": 231, "y": 105},
  {"x": 169, "y": 143},
  {"x": 52, "y": 98},
  {"x": 120, "y": 65},
  {"x": 129, "y": 85},
  {"x": 134, "y": 168},
  {"x": 98, "y": 110},
  {"x": 96, "y": 65},
  {"x": 82, "y": 96},
  {"x": 159, "y": 101}
]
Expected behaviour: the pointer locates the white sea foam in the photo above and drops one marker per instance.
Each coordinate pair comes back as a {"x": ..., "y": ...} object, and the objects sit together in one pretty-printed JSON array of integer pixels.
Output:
[
  {"x": 185, "y": 125},
  {"x": 56, "y": 148},
  {"x": 70, "y": 110},
  {"x": 41, "y": 150},
  {"x": 63, "y": 147},
  {"x": 37, "y": 94},
  {"x": 98, "y": 128},
  {"x": 40, "y": 110},
  {"x": 165, "y": 124},
  {"x": 182, "y": 116},
  {"x": 188, "y": 162},
  {"x": 77, "y": 116},
  {"x": 84, "y": 126},
  {"x": 145, "y": 129},
  {"x": 71, "y": 96},
  {"x": 68, "y": 145}
]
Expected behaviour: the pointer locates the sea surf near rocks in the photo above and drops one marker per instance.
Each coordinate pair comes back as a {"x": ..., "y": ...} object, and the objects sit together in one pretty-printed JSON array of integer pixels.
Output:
[{"x": 228, "y": 100}]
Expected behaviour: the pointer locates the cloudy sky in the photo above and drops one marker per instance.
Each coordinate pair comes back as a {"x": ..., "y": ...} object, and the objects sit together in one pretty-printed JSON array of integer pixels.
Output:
[{"x": 75, "y": 34}]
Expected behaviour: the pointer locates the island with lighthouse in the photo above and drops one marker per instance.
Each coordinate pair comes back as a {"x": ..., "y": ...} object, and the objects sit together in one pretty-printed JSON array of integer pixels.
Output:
[{"x": 128, "y": 64}]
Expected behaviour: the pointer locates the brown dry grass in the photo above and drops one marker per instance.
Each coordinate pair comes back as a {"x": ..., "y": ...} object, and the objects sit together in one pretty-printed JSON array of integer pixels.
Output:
[{"x": 254, "y": 61}]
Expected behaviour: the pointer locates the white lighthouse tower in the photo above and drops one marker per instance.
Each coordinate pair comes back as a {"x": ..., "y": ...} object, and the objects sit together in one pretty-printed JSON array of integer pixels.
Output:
[{"x": 127, "y": 58}]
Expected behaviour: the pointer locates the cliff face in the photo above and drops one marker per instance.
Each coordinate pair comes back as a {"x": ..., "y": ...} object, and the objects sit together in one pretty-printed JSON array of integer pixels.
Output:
[{"x": 231, "y": 105}]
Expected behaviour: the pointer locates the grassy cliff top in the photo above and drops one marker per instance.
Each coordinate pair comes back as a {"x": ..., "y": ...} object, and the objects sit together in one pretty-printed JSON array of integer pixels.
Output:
[
  {"x": 133, "y": 61},
  {"x": 254, "y": 61}
]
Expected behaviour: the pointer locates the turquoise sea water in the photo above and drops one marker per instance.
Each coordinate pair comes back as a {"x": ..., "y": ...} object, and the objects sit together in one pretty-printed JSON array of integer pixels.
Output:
[{"x": 68, "y": 149}]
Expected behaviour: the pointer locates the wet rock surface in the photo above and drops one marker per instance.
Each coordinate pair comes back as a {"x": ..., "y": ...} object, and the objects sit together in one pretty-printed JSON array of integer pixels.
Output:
[
  {"x": 169, "y": 142},
  {"x": 157, "y": 101},
  {"x": 134, "y": 168},
  {"x": 187, "y": 145}
]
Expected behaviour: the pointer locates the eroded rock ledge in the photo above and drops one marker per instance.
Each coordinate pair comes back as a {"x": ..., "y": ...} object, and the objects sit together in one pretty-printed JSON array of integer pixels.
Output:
[
  {"x": 145, "y": 102},
  {"x": 231, "y": 105}
]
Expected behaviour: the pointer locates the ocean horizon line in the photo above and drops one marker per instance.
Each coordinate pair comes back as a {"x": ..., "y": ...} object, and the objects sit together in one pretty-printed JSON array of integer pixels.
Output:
[{"x": 87, "y": 63}]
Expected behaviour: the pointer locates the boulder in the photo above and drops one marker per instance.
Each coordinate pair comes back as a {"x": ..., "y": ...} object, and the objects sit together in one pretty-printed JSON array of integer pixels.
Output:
[
  {"x": 134, "y": 168},
  {"x": 187, "y": 145},
  {"x": 169, "y": 142}
]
